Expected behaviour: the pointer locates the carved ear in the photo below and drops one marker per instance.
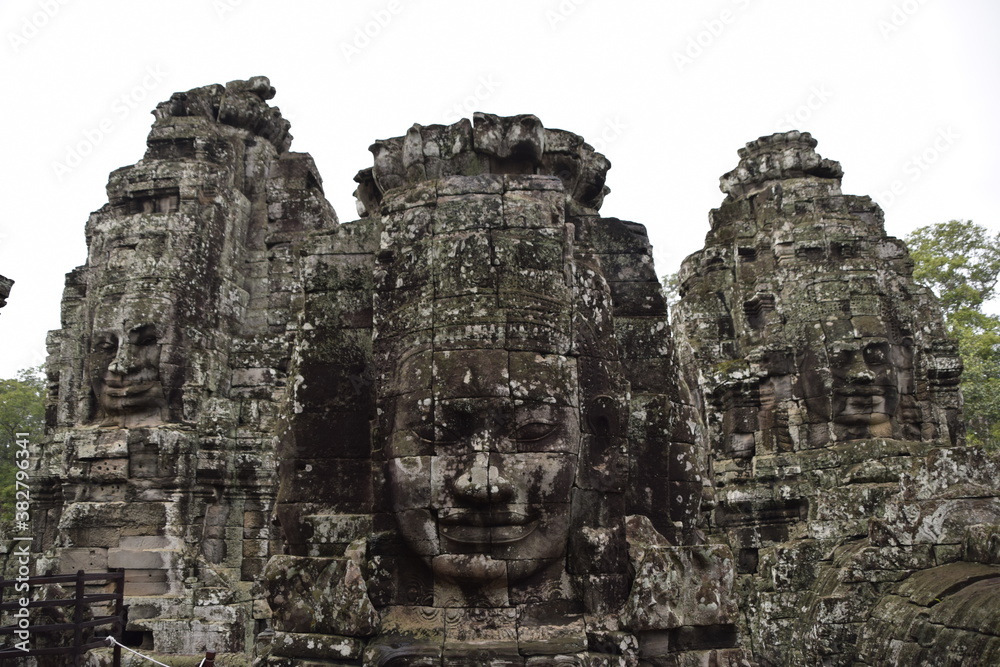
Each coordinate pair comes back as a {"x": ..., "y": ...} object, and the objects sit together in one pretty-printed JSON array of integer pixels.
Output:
[{"x": 602, "y": 416}]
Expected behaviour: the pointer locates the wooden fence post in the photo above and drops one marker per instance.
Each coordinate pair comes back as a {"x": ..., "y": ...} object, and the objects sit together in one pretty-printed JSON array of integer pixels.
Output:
[
  {"x": 119, "y": 614},
  {"x": 78, "y": 619}
]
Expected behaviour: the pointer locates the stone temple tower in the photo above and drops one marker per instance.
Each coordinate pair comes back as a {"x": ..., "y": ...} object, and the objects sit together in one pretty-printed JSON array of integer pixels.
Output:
[
  {"x": 533, "y": 463},
  {"x": 461, "y": 430},
  {"x": 166, "y": 376},
  {"x": 830, "y": 392}
]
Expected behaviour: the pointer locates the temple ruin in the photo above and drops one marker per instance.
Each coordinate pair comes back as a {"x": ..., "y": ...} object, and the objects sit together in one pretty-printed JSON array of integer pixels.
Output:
[{"x": 463, "y": 429}]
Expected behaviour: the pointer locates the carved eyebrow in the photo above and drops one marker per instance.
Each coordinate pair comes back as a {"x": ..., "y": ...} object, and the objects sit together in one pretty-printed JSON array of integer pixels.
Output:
[
  {"x": 534, "y": 430},
  {"x": 435, "y": 433}
]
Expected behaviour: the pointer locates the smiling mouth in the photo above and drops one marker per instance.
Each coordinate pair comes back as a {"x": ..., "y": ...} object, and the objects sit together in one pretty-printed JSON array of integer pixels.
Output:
[
  {"x": 487, "y": 527},
  {"x": 862, "y": 390},
  {"x": 124, "y": 389}
]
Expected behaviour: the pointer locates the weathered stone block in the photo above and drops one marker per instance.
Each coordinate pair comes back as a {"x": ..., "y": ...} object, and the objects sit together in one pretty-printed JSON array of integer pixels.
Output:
[
  {"x": 313, "y": 595},
  {"x": 316, "y": 645}
]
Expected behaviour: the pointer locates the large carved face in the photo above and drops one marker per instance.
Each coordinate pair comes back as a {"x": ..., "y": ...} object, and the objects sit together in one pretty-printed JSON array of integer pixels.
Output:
[
  {"x": 865, "y": 395},
  {"x": 859, "y": 390},
  {"x": 481, "y": 468},
  {"x": 125, "y": 375}
]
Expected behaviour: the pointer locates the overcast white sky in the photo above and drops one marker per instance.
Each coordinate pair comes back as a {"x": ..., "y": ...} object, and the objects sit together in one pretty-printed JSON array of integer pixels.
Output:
[{"x": 899, "y": 91}]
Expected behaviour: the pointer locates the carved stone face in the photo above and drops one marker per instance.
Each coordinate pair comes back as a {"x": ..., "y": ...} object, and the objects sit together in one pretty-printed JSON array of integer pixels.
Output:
[
  {"x": 859, "y": 392},
  {"x": 479, "y": 478},
  {"x": 865, "y": 395},
  {"x": 125, "y": 376}
]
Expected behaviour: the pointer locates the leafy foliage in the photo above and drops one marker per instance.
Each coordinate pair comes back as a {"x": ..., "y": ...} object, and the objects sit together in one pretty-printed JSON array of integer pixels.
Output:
[
  {"x": 22, "y": 410},
  {"x": 960, "y": 261}
]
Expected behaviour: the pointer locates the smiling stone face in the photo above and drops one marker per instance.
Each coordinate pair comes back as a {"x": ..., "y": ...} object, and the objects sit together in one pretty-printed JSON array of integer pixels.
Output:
[
  {"x": 125, "y": 373},
  {"x": 865, "y": 395},
  {"x": 480, "y": 470},
  {"x": 124, "y": 363},
  {"x": 481, "y": 427},
  {"x": 855, "y": 382}
]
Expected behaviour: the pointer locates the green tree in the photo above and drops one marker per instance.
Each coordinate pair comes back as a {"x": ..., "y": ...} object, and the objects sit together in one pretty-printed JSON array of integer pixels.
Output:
[
  {"x": 960, "y": 261},
  {"x": 671, "y": 286},
  {"x": 22, "y": 410}
]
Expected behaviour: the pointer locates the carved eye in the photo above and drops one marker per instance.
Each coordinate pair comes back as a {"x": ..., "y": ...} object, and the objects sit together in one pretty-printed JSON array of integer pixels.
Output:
[
  {"x": 533, "y": 431},
  {"x": 436, "y": 434},
  {"x": 877, "y": 353},
  {"x": 143, "y": 335},
  {"x": 841, "y": 358},
  {"x": 106, "y": 346}
]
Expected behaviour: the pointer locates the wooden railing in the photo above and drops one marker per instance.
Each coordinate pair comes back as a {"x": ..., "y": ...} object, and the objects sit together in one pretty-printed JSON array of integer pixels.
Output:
[{"x": 80, "y": 601}]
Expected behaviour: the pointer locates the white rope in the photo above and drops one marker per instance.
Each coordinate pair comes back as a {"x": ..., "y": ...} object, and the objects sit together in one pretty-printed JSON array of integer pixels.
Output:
[{"x": 112, "y": 641}]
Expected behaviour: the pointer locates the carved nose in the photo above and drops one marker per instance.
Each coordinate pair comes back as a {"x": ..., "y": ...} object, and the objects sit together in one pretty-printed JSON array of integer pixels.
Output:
[
  {"x": 123, "y": 361},
  {"x": 859, "y": 373},
  {"x": 483, "y": 483}
]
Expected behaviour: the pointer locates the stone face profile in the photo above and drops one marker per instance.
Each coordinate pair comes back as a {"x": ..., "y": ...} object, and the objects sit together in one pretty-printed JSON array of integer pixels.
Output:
[
  {"x": 463, "y": 430},
  {"x": 5, "y": 285}
]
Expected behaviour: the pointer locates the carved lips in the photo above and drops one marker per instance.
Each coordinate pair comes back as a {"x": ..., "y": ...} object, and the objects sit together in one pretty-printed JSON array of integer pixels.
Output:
[
  {"x": 485, "y": 528},
  {"x": 124, "y": 388}
]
